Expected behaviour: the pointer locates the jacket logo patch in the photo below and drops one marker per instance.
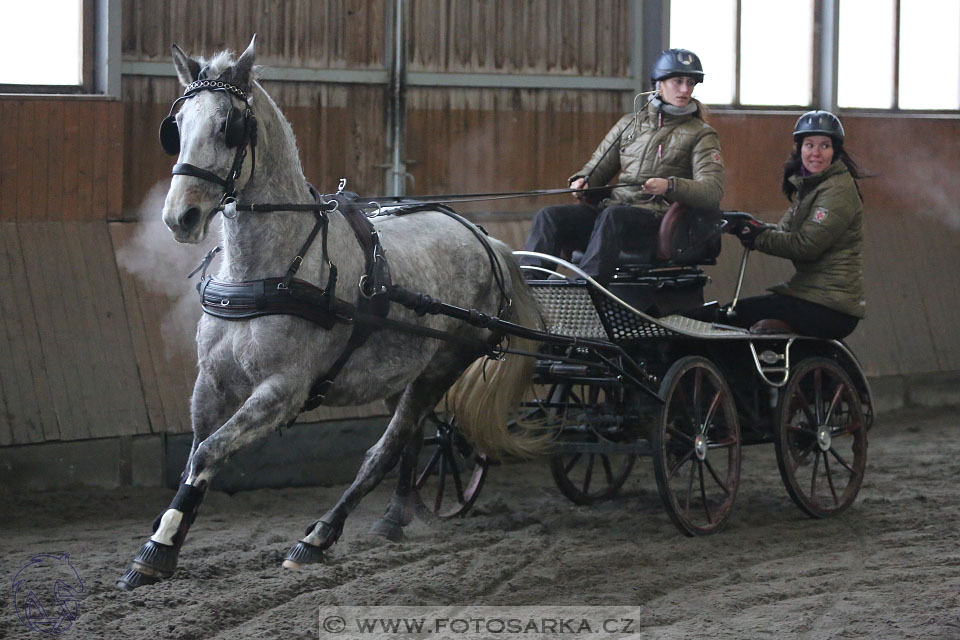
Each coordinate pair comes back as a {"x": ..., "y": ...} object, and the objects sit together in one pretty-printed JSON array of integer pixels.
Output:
[
  {"x": 716, "y": 157},
  {"x": 820, "y": 214}
]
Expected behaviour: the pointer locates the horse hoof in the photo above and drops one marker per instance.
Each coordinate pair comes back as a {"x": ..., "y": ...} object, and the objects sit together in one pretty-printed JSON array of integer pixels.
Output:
[
  {"x": 303, "y": 553},
  {"x": 156, "y": 560},
  {"x": 387, "y": 529},
  {"x": 133, "y": 579}
]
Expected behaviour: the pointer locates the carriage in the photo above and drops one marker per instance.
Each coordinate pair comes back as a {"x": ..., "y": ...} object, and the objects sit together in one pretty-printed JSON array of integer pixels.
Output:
[{"x": 647, "y": 378}]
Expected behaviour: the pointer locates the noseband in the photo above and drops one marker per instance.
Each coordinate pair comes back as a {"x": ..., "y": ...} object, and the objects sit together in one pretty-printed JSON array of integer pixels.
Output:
[{"x": 238, "y": 133}]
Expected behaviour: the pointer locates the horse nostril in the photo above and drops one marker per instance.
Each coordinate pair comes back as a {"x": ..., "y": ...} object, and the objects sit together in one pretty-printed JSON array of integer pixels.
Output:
[{"x": 190, "y": 218}]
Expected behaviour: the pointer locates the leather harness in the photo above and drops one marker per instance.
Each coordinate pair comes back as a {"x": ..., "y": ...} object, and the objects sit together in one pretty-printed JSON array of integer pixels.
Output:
[{"x": 288, "y": 295}]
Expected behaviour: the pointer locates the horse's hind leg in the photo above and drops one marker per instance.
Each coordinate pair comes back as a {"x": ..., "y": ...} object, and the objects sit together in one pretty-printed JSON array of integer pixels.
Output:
[
  {"x": 417, "y": 400},
  {"x": 405, "y": 501}
]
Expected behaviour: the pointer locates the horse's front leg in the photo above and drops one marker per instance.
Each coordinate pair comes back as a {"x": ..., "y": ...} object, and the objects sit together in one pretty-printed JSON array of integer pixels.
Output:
[
  {"x": 267, "y": 408},
  {"x": 415, "y": 402}
]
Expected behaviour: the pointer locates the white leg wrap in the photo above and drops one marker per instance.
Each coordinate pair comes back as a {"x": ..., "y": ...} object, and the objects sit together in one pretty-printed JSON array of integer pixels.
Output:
[
  {"x": 312, "y": 538},
  {"x": 169, "y": 523}
]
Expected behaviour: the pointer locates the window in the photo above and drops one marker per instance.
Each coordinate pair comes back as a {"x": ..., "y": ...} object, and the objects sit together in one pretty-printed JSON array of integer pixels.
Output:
[
  {"x": 929, "y": 67},
  {"x": 920, "y": 40},
  {"x": 41, "y": 42},
  {"x": 866, "y": 61},
  {"x": 754, "y": 52}
]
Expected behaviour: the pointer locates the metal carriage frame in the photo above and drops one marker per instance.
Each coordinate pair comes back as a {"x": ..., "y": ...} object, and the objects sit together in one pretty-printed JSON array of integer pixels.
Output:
[{"x": 689, "y": 394}]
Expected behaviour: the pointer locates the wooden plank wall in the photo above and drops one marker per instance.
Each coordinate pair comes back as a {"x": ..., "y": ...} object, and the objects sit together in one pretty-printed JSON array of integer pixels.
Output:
[
  {"x": 91, "y": 345},
  {"x": 67, "y": 365},
  {"x": 562, "y": 37}
]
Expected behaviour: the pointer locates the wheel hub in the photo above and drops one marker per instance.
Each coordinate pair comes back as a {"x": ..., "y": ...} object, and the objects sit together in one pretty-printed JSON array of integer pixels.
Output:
[
  {"x": 823, "y": 438},
  {"x": 700, "y": 447}
]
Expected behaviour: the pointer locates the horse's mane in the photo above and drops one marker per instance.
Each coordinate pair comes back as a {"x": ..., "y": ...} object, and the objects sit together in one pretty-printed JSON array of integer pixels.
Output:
[{"x": 221, "y": 62}]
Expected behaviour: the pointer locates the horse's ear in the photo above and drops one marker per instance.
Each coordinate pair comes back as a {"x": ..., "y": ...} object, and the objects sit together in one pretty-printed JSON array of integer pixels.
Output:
[
  {"x": 187, "y": 68},
  {"x": 244, "y": 66}
]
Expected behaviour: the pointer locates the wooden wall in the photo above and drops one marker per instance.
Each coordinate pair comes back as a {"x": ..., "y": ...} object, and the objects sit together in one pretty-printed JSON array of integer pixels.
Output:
[
  {"x": 96, "y": 316},
  {"x": 67, "y": 364}
]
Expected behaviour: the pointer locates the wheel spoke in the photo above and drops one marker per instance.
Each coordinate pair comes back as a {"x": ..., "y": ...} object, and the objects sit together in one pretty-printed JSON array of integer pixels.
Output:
[
  {"x": 455, "y": 474},
  {"x": 826, "y": 471},
  {"x": 805, "y": 406},
  {"x": 684, "y": 405},
  {"x": 672, "y": 430},
  {"x": 573, "y": 462},
  {"x": 726, "y": 443},
  {"x": 607, "y": 468},
  {"x": 818, "y": 394},
  {"x": 834, "y": 402},
  {"x": 671, "y": 471},
  {"x": 587, "y": 475},
  {"x": 846, "y": 430},
  {"x": 813, "y": 477},
  {"x": 714, "y": 405},
  {"x": 703, "y": 495},
  {"x": 716, "y": 478},
  {"x": 693, "y": 469},
  {"x": 430, "y": 466},
  {"x": 833, "y": 452},
  {"x": 697, "y": 391},
  {"x": 807, "y": 431},
  {"x": 799, "y": 454},
  {"x": 441, "y": 482}
]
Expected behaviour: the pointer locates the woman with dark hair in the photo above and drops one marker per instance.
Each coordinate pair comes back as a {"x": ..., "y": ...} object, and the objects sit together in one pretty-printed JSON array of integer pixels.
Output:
[
  {"x": 822, "y": 233},
  {"x": 665, "y": 153}
]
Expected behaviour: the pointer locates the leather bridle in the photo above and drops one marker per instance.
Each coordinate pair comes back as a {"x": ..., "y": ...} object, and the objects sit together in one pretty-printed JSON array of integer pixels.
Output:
[{"x": 249, "y": 138}]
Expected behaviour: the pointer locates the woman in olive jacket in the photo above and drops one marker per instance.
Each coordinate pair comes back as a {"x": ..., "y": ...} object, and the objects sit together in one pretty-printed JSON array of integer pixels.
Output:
[
  {"x": 822, "y": 233},
  {"x": 665, "y": 151}
]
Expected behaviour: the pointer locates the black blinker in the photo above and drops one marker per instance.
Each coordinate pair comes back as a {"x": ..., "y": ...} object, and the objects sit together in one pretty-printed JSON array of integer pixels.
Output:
[
  {"x": 234, "y": 128},
  {"x": 170, "y": 136}
]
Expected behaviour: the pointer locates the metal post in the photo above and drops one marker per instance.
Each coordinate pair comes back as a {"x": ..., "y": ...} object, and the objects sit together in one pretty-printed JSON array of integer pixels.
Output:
[
  {"x": 829, "y": 54},
  {"x": 107, "y": 54},
  {"x": 396, "y": 106}
]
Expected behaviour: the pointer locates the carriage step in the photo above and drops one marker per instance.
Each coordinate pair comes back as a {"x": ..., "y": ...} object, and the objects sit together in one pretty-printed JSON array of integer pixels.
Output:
[{"x": 639, "y": 447}]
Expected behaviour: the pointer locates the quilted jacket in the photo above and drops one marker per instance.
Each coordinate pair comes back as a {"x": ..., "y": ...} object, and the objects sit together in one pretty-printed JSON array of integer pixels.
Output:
[
  {"x": 822, "y": 233},
  {"x": 682, "y": 147}
]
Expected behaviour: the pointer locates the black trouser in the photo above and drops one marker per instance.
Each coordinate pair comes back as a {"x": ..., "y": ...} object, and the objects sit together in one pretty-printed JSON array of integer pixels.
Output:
[
  {"x": 601, "y": 235},
  {"x": 805, "y": 317}
]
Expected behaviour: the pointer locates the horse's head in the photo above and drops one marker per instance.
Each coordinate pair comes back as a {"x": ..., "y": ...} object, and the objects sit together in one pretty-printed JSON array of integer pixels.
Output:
[{"x": 211, "y": 134}]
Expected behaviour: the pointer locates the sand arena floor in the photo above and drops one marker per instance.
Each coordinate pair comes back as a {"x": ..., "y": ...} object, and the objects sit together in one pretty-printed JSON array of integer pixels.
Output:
[{"x": 887, "y": 568}]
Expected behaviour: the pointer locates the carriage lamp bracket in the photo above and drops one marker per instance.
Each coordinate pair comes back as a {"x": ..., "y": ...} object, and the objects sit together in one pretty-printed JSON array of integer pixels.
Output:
[{"x": 763, "y": 371}]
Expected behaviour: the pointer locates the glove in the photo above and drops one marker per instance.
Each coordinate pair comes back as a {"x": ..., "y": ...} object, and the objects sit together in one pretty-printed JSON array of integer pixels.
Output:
[{"x": 748, "y": 230}]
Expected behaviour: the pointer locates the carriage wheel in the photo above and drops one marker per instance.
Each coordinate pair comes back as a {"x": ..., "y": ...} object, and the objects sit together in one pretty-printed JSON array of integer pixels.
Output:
[
  {"x": 584, "y": 416},
  {"x": 696, "y": 447},
  {"x": 821, "y": 438},
  {"x": 452, "y": 474}
]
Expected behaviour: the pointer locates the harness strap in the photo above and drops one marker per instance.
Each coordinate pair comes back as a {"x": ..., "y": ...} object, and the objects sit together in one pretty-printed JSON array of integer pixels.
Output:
[
  {"x": 187, "y": 169},
  {"x": 482, "y": 236}
]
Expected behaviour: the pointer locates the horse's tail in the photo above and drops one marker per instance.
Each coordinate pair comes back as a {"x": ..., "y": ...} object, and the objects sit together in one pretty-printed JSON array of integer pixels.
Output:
[{"x": 488, "y": 394}]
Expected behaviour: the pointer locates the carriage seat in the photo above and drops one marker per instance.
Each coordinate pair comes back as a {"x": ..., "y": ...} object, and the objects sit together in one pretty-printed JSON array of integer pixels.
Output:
[
  {"x": 770, "y": 326},
  {"x": 686, "y": 237}
]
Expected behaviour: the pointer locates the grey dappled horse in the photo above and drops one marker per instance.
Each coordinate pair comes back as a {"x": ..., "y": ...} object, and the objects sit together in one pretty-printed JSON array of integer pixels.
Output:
[{"x": 255, "y": 374}]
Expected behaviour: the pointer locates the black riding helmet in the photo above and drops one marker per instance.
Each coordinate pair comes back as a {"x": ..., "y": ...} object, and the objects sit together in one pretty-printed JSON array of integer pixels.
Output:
[
  {"x": 677, "y": 62},
  {"x": 822, "y": 123}
]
